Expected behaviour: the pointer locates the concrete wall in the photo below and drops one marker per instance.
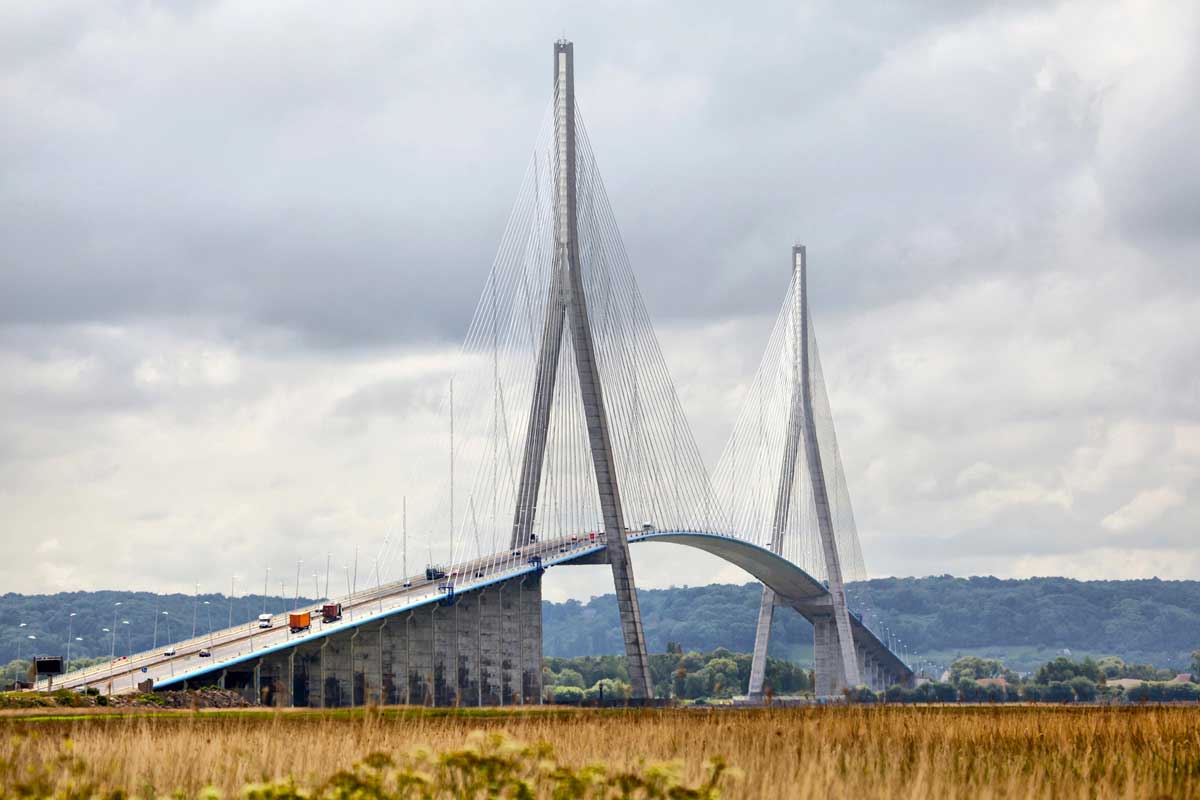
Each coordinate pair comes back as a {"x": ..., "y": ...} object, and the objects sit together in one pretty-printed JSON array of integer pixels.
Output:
[{"x": 484, "y": 649}]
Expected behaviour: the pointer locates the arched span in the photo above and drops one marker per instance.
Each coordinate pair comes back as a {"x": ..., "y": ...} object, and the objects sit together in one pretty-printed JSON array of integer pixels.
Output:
[
  {"x": 792, "y": 585},
  {"x": 784, "y": 577}
]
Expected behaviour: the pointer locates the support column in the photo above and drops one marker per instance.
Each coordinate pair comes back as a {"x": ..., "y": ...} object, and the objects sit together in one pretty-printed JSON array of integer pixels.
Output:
[
  {"x": 826, "y": 659},
  {"x": 530, "y": 609},
  {"x": 385, "y": 681},
  {"x": 324, "y": 680},
  {"x": 507, "y": 630},
  {"x": 467, "y": 671},
  {"x": 354, "y": 673},
  {"x": 762, "y": 637},
  {"x": 491, "y": 692}
]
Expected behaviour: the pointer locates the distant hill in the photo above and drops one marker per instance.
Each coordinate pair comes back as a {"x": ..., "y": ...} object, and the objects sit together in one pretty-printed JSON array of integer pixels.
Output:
[{"x": 1023, "y": 622}]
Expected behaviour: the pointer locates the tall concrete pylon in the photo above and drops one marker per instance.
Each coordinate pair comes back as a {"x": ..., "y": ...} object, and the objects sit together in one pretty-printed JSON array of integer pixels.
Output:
[
  {"x": 838, "y": 655},
  {"x": 567, "y": 304}
]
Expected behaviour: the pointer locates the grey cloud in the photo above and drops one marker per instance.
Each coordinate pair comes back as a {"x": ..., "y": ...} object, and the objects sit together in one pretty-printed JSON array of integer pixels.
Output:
[
  {"x": 355, "y": 192},
  {"x": 998, "y": 198}
]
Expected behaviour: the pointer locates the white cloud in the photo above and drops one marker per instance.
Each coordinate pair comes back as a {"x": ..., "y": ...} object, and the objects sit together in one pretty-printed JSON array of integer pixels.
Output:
[{"x": 1143, "y": 509}]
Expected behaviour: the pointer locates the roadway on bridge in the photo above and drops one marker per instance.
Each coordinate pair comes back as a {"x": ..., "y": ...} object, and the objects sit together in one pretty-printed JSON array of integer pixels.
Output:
[
  {"x": 242, "y": 642},
  {"x": 245, "y": 642}
]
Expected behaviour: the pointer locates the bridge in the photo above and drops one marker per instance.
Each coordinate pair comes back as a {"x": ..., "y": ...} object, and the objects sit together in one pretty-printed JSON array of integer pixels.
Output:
[{"x": 575, "y": 447}]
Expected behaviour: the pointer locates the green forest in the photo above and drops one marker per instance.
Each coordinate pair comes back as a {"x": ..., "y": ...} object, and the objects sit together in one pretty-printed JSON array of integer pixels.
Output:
[{"x": 1022, "y": 622}]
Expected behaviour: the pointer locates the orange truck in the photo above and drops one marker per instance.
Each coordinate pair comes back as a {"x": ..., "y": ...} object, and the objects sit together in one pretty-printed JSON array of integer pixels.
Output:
[{"x": 300, "y": 622}]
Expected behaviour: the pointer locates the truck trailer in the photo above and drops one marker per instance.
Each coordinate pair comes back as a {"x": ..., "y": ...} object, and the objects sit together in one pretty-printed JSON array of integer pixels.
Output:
[{"x": 299, "y": 622}]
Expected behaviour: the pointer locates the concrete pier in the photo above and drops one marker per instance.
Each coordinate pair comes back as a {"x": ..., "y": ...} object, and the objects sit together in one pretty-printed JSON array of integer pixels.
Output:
[{"x": 483, "y": 647}]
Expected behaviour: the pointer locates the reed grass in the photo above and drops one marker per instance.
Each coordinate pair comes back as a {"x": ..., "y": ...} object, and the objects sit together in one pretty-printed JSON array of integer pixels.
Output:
[{"x": 860, "y": 752}]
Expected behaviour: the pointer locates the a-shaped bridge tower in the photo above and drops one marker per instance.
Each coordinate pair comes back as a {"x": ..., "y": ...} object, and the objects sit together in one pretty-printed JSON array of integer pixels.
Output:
[
  {"x": 783, "y": 484},
  {"x": 567, "y": 301}
]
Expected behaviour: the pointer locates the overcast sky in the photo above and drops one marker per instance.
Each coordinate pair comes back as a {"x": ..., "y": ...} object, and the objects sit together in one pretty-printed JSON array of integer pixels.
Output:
[{"x": 238, "y": 241}]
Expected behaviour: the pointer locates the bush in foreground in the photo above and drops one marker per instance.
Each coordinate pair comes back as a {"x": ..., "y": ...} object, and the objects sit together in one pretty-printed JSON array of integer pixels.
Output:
[{"x": 490, "y": 765}]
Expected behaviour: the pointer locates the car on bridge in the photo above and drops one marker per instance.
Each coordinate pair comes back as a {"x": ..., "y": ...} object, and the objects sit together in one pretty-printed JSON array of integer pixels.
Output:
[{"x": 205, "y": 653}]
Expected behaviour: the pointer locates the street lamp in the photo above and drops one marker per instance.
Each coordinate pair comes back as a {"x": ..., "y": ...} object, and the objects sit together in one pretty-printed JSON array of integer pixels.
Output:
[
  {"x": 113, "y": 646},
  {"x": 129, "y": 652},
  {"x": 17, "y": 667},
  {"x": 70, "y": 620},
  {"x": 266, "y": 580},
  {"x": 232, "y": 590},
  {"x": 167, "y": 614},
  {"x": 17, "y": 671},
  {"x": 32, "y": 655}
]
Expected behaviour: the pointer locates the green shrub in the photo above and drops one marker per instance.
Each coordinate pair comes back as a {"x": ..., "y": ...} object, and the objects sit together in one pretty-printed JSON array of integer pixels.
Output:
[
  {"x": 492, "y": 765},
  {"x": 1085, "y": 690},
  {"x": 861, "y": 694},
  {"x": 1058, "y": 692},
  {"x": 568, "y": 695}
]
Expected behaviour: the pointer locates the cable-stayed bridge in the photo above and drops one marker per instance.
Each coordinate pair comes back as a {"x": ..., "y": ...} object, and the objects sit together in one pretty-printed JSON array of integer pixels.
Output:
[{"x": 567, "y": 444}]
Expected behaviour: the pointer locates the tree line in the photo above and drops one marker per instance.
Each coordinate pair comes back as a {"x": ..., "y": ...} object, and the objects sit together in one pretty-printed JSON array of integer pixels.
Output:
[
  {"x": 1140, "y": 620},
  {"x": 1145, "y": 621}
]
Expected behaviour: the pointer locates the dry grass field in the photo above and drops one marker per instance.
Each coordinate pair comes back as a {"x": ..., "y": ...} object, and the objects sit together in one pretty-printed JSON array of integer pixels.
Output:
[{"x": 857, "y": 752}]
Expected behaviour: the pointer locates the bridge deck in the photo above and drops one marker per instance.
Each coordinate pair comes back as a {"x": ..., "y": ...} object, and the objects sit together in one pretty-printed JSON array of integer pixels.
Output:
[{"x": 247, "y": 642}]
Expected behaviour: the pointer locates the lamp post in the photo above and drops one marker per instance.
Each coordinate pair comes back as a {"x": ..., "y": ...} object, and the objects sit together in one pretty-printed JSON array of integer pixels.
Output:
[
  {"x": 167, "y": 614},
  {"x": 17, "y": 666},
  {"x": 195, "y": 605},
  {"x": 266, "y": 580},
  {"x": 112, "y": 657},
  {"x": 379, "y": 584},
  {"x": 208, "y": 608},
  {"x": 32, "y": 655},
  {"x": 232, "y": 591},
  {"x": 129, "y": 652},
  {"x": 70, "y": 621}
]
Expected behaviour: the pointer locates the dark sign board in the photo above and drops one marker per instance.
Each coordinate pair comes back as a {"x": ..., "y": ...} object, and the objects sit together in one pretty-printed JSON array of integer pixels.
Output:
[{"x": 48, "y": 665}]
